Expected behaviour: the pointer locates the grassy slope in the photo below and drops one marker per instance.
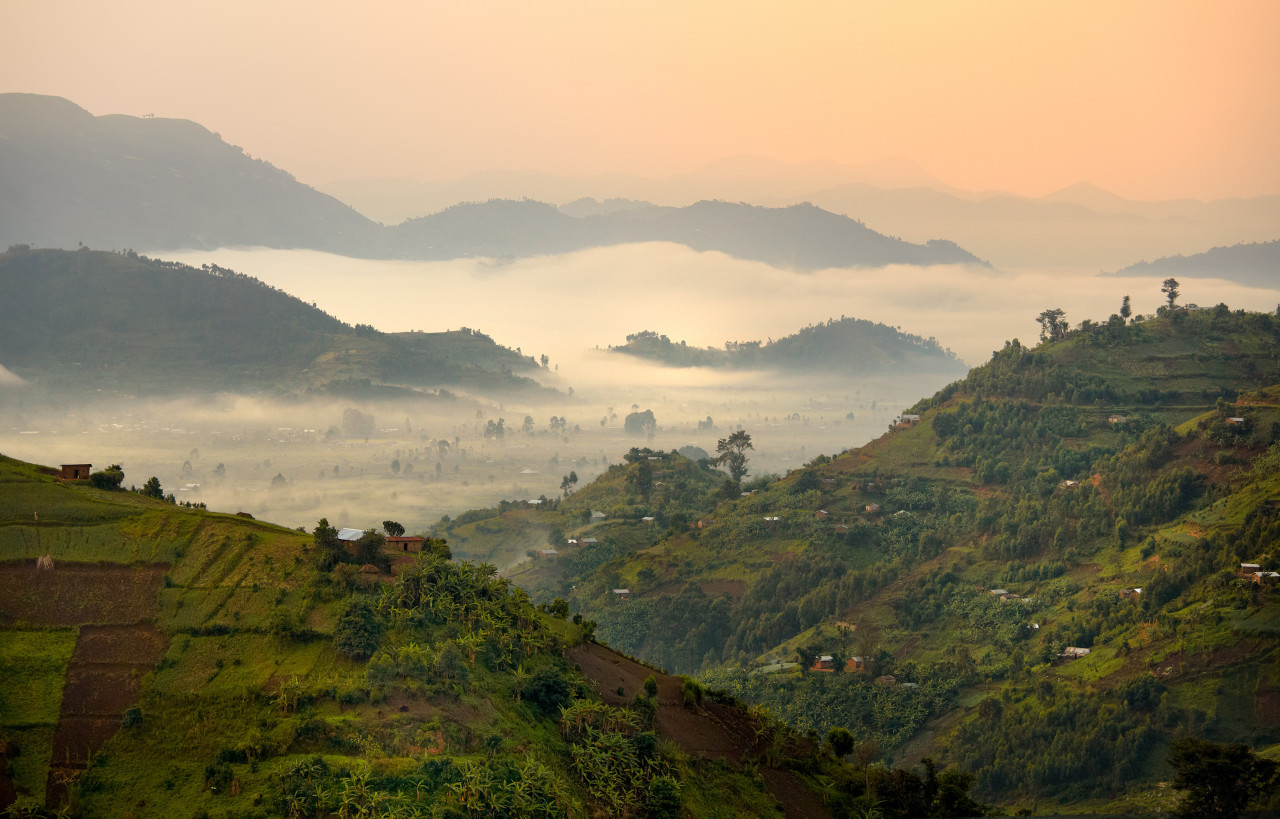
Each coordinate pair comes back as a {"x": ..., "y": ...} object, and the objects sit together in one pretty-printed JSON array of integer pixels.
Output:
[{"x": 234, "y": 705}]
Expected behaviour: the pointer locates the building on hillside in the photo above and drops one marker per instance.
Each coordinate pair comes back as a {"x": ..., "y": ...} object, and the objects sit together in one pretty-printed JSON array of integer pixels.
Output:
[
  {"x": 350, "y": 535},
  {"x": 534, "y": 502},
  {"x": 75, "y": 472},
  {"x": 551, "y": 554},
  {"x": 820, "y": 514},
  {"x": 647, "y": 519},
  {"x": 598, "y": 515},
  {"x": 1265, "y": 578},
  {"x": 703, "y": 523},
  {"x": 999, "y": 592},
  {"x": 854, "y": 664},
  {"x": 1247, "y": 569},
  {"x": 887, "y": 680},
  {"x": 841, "y": 528},
  {"x": 1073, "y": 653},
  {"x": 369, "y": 568},
  {"x": 824, "y": 662},
  {"x": 1116, "y": 419},
  {"x": 1130, "y": 594},
  {"x": 910, "y": 420},
  {"x": 622, "y": 594},
  {"x": 589, "y": 541},
  {"x": 1235, "y": 421},
  {"x": 404, "y": 543},
  {"x": 1010, "y": 596},
  {"x": 872, "y": 508}
]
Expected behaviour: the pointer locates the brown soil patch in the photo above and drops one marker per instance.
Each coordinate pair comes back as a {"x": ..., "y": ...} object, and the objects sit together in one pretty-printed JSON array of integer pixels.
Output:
[
  {"x": 908, "y": 648},
  {"x": 77, "y": 593},
  {"x": 1267, "y": 705},
  {"x": 716, "y": 731},
  {"x": 140, "y": 643},
  {"x": 730, "y": 588},
  {"x": 103, "y": 679},
  {"x": 101, "y": 689},
  {"x": 115, "y": 648},
  {"x": 8, "y": 791}
]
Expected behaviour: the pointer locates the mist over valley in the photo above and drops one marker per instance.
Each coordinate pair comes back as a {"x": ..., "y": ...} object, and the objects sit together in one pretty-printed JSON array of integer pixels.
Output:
[{"x": 653, "y": 411}]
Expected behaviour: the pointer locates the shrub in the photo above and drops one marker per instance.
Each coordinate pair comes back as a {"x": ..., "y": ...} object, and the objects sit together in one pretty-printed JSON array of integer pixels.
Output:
[
  {"x": 548, "y": 690},
  {"x": 358, "y": 631}
]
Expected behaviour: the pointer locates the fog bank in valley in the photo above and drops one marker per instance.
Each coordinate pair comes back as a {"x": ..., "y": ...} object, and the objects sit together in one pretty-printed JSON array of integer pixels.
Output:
[
  {"x": 564, "y": 305},
  {"x": 360, "y": 462}
]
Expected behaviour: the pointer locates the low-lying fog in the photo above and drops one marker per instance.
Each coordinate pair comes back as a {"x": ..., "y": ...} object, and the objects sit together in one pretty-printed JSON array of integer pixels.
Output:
[{"x": 294, "y": 462}]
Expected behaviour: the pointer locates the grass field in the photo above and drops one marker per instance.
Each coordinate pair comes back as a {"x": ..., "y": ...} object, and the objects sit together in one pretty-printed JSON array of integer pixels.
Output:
[{"x": 39, "y": 659}]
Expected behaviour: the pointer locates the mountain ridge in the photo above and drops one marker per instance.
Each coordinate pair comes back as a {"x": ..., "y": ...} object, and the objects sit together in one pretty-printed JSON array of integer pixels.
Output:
[
  {"x": 1256, "y": 264},
  {"x": 68, "y": 178}
]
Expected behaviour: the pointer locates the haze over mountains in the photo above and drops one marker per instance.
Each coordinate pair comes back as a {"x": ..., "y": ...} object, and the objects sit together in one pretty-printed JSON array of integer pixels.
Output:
[
  {"x": 71, "y": 178},
  {"x": 1257, "y": 263},
  {"x": 1079, "y": 226}
]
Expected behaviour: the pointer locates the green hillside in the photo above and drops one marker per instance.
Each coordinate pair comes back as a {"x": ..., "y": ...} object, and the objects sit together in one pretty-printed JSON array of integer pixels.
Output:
[
  {"x": 172, "y": 661},
  {"x": 844, "y": 346},
  {"x": 84, "y": 320},
  {"x": 1119, "y": 456}
]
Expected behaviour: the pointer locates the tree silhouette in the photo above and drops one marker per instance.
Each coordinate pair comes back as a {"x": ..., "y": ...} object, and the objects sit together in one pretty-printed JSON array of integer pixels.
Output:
[
  {"x": 733, "y": 454},
  {"x": 1053, "y": 324}
]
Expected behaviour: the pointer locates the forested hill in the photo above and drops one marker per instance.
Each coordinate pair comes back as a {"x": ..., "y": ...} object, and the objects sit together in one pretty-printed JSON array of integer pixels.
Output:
[
  {"x": 1040, "y": 577},
  {"x": 844, "y": 346},
  {"x": 1256, "y": 264},
  {"x": 86, "y": 320},
  {"x": 68, "y": 178}
]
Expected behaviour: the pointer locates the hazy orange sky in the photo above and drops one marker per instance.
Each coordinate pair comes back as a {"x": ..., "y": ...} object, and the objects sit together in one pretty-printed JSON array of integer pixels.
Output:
[{"x": 1149, "y": 99}]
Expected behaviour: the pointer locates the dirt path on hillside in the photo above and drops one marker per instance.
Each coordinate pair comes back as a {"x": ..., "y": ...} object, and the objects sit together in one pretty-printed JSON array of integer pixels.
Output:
[{"x": 715, "y": 731}]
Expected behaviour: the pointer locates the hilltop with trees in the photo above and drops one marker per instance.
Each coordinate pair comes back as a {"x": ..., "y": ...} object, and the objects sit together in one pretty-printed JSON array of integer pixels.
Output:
[
  {"x": 83, "y": 320},
  {"x": 843, "y": 347}
]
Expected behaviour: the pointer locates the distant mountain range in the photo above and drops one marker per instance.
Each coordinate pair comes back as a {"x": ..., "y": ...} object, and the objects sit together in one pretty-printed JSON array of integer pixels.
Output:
[
  {"x": 844, "y": 347},
  {"x": 1256, "y": 264},
  {"x": 1081, "y": 226},
  {"x": 68, "y": 178},
  {"x": 96, "y": 320},
  {"x": 803, "y": 237}
]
